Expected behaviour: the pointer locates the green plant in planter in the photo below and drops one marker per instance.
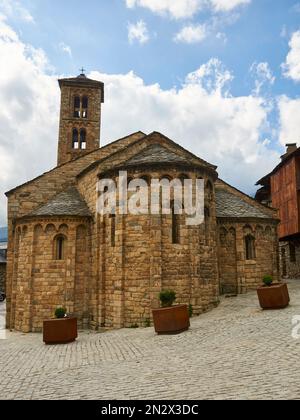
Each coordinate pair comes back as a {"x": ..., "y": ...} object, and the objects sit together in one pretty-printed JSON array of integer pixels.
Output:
[
  {"x": 191, "y": 311},
  {"x": 60, "y": 313},
  {"x": 268, "y": 281},
  {"x": 167, "y": 298}
]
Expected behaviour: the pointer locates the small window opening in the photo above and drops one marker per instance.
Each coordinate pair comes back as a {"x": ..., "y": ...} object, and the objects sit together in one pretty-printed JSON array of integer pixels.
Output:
[
  {"x": 60, "y": 248},
  {"x": 175, "y": 225},
  {"x": 75, "y": 142},
  {"x": 82, "y": 139},
  {"x": 85, "y": 103},
  {"x": 113, "y": 230},
  {"x": 77, "y": 107},
  {"x": 250, "y": 247}
]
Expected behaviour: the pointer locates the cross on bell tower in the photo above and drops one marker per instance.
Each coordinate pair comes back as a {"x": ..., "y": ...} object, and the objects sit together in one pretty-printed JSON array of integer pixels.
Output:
[{"x": 80, "y": 116}]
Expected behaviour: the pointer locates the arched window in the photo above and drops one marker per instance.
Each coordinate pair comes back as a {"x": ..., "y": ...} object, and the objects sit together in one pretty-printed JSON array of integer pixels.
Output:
[
  {"x": 144, "y": 189},
  {"x": 175, "y": 225},
  {"x": 83, "y": 139},
  {"x": 85, "y": 105},
  {"x": 207, "y": 223},
  {"x": 113, "y": 230},
  {"x": 59, "y": 247},
  {"x": 250, "y": 247},
  {"x": 75, "y": 140},
  {"x": 206, "y": 213},
  {"x": 77, "y": 107},
  {"x": 223, "y": 236},
  {"x": 210, "y": 191},
  {"x": 168, "y": 177}
]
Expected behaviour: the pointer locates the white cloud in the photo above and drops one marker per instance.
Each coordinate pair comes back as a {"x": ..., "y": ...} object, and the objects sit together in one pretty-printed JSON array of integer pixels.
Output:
[
  {"x": 212, "y": 76},
  {"x": 29, "y": 101},
  {"x": 192, "y": 34},
  {"x": 138, "y": 32},
  {"x": 291, "y": 67},
  {"x": 65, "y": 48},
  {"x": 201, "y": 115},
  {"x": 289, "y": 111},
  {"x": 195, "y": 33},
  {"x": 179, "y": 9},
  {"x": 175, "y": 8},
  {"x": 227, "y": 5},
  {"x": 13, "y": 8},
  {"x": 263, "y": 76}
]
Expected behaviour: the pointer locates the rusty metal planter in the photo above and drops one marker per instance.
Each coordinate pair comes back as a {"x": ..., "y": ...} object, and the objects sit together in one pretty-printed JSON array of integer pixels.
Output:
[
  {"x": 60, "y": 331},
  {"x": 274, "y": 297},
  {"x": 173, "y": 320}
]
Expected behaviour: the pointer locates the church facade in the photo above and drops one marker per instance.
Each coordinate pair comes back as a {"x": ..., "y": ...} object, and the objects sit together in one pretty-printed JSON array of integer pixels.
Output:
[{"x": 108, "y": 270}]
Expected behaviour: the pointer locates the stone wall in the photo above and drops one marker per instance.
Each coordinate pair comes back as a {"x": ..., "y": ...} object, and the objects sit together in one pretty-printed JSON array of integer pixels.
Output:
[
  {"x": 113, "y": 279},
  {"x": 290, "y": 259},
  {"x": 227, "y": 254},
  {"x": 142, "y": 260},
  {"x": 28, "y": 197},
  {"x": 114, "y": 267},
  {"x": 2, "y": 277},
  {"x": 42, "y": 282},
  {"x": 237, "y": 274}
]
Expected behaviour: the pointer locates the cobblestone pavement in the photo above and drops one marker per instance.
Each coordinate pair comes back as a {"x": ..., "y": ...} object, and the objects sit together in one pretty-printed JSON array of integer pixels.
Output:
[{"x": 236, "y": 351}]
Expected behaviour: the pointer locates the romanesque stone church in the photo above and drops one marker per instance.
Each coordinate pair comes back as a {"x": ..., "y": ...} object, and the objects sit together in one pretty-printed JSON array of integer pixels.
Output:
[{"x": 108, "y": 270}]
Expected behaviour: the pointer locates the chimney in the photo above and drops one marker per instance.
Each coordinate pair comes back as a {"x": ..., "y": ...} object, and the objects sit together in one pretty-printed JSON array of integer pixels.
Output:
[{"x": 290, "y": 148}]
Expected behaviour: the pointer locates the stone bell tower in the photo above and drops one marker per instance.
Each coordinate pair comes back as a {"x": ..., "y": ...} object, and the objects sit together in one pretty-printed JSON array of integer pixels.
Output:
[{"x": 80, "y": 117}]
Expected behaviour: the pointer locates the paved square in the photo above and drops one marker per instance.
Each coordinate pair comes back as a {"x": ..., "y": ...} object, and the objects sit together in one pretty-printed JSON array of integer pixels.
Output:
[{"x": 235, "y": 352}]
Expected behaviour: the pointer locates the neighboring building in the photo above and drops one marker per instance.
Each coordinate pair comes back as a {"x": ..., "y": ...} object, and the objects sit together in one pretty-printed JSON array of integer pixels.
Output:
[
  {"x": 109, "y": 270},
  {"x": 281, "y": 190},
  {"x": 3, "y": 251}
]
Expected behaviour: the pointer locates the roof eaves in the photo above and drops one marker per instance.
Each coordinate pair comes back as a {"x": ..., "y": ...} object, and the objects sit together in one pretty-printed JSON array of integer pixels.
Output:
[
  {"x": 94, "y": 164},
  {"x": 73, "y": 81},
  {"x": 264, "y": 206},
  {"x": 245, "y": 219}
]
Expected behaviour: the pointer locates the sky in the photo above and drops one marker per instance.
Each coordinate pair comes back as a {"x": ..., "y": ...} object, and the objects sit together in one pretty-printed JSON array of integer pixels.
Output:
[{"x": 220, "y": 77}]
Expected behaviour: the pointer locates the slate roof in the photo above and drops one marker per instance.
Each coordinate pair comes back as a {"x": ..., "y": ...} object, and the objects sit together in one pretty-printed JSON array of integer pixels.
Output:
[
  {"x": 67, "y": 203},
  {"x": 156, "y": 154},
  {"x": 231, "y": 205}
]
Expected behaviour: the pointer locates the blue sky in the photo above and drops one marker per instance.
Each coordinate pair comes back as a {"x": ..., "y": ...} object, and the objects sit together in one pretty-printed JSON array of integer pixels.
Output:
[
  {"x": 220, "y": 77},
  {"x": 96, "y": 32}
]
